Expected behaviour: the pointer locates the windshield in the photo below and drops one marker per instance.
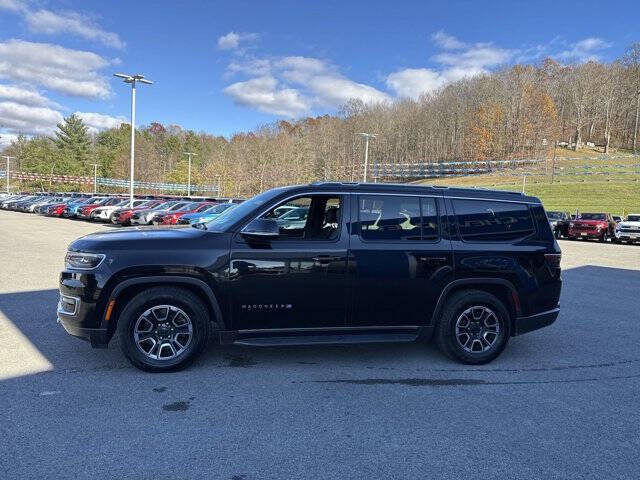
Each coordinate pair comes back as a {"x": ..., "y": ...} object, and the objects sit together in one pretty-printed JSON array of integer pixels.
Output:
[
  {"x": 219, "y": 208},
  {"x": 233, "y": 215},
  {"x": 203, "y": 208},
  {"x": 177, "y": 206},
  {"x": 165, "y": 205},
  {"x": 593, "y": 216},
  {"x": 554, "y": 215},
  {"x": 633, "y": 218}
]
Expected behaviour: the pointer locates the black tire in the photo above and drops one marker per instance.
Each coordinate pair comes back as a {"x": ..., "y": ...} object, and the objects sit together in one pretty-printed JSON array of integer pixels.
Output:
[
  {"x": 603, "y": 238},
  {"x": 456, "y": 306},
  {"x": 557, "y": 234},
  {"x": 178, "y": 298}
]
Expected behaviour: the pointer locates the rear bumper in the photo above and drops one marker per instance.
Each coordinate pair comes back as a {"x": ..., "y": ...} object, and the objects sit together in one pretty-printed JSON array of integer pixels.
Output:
[{"x": 535, "y": 322}]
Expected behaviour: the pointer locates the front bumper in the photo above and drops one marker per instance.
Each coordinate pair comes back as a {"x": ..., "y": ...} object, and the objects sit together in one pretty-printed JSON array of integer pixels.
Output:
[
  {"x": 535, "y": 322},
  {"x": 627, "y": 236},
  {"x": 585, "y": 233}
]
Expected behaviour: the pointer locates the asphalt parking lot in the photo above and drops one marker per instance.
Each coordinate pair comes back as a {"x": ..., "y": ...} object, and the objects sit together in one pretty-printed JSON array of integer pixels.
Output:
[{"x": 561, "y": 402}]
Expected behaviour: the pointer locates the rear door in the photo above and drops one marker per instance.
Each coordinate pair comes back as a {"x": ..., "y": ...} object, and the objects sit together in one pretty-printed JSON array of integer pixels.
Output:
[{"x": 399, "y": 259}]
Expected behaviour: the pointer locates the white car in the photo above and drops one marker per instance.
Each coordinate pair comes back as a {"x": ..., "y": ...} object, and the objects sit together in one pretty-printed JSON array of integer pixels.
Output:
[
  {"x": 629, "y": 230},
  {"x": 103, "y": 214}
]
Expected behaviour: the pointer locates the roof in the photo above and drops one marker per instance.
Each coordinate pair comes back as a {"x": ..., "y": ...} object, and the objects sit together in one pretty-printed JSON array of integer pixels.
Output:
[{"x": 416, "y": 189}]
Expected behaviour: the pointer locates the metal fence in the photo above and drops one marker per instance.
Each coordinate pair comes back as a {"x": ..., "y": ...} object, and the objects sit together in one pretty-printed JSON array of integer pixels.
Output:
[{"x": 108, "y": 182}]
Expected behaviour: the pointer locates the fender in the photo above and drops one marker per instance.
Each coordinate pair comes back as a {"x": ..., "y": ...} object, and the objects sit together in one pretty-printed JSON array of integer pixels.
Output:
[
  {"x": 175, "y": 279},
  {"x": 475, "y": 281}
]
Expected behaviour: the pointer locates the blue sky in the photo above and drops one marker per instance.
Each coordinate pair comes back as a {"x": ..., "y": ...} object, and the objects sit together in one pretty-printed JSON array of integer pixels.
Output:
[{"x": 224, "y": 67}]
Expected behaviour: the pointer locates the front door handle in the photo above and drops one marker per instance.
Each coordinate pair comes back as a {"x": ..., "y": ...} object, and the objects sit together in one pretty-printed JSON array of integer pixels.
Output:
[
  {"x": 433, "y": 260},
  {"x": 325, "y": 258}
]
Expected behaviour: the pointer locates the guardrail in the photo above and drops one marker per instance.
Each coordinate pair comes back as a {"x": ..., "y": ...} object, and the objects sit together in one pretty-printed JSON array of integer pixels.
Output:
[{"x": 107, "y": 182}]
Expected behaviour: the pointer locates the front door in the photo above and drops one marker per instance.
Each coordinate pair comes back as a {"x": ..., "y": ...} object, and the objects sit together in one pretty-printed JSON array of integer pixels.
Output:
[
  {"x": 400, "y": 261},
  {"x": 297, "y": 280}
]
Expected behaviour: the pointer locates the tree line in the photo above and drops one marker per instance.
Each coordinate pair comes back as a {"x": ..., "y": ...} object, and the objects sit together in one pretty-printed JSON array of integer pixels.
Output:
[{"x": 516, "y": 112}]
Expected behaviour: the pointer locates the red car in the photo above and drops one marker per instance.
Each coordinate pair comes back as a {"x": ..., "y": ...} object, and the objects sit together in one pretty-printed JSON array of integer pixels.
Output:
[
  {"x": 592, "y": 225},
  {"x": 123, "y": 216},
  {"x": 85, "y": 211},
  {"x": 172, "y": 218}
]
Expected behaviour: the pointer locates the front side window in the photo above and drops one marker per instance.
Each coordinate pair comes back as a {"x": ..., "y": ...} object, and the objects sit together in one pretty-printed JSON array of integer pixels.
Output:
[
  {"x": 313, "y": 217},
  {"x": 492, "y": 221}
]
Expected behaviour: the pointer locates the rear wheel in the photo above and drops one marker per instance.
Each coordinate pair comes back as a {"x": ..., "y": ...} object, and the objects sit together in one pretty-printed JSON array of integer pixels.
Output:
[
  {"x": 474, "y": 327},
  {"x": 163, "y": 328}
]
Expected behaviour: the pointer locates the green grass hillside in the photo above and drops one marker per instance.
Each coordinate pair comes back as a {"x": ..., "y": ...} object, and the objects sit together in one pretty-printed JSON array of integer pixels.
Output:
[
  {"x": 611, "y": 197},
  {"x": 586, "y": 180}
]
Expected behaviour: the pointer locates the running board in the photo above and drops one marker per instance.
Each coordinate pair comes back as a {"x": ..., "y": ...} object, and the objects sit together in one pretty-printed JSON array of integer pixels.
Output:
[{"x": 327, "y": 339}]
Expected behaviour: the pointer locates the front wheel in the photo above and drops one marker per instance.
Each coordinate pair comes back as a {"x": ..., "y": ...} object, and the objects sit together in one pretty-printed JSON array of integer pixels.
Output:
[
  {"x": 163, "y": 328},
  {"x": 474, "y": 327}
]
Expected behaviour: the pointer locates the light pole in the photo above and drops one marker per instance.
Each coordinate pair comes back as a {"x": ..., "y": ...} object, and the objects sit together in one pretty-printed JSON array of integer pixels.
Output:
[
  {"x": 132, "y": 79},
  {"x": 95, "y": 177},
  {"x": 366, "y": 151},
  {"x": 189, "y": 154},
  {"x": 8, "y": 159}
]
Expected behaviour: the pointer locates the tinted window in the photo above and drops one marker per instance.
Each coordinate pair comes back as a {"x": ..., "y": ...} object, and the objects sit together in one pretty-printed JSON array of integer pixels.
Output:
[
  {"x": 480, "y": 220},
  {"x": 593, "y": 216},
  {"x": 429, "y": 219},
  {"x": 389, "y": 217}
]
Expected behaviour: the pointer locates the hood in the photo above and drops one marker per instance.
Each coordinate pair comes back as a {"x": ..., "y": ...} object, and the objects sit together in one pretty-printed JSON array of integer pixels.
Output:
[
  {"x": 137, "y": 238},
  {"x": 627, "y": 223},
  {"x": 592, "y": 223}
]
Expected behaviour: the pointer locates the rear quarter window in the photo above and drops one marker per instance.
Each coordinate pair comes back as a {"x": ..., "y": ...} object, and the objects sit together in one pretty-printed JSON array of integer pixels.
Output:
[{"x": 492, "y": 221}]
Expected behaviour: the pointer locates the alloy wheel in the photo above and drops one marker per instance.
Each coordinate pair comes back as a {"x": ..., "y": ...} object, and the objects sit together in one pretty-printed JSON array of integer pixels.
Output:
[
  {"x": 163, "y": 332},
  {"x": 477, "y": 329}
]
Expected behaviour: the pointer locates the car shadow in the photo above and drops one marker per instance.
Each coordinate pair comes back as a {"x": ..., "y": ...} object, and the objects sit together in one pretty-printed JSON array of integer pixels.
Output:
[{"x": 594, "y": 300}]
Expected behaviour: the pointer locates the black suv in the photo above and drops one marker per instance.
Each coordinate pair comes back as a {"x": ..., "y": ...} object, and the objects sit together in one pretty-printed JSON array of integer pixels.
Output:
[{"x": 358, "y": 263}]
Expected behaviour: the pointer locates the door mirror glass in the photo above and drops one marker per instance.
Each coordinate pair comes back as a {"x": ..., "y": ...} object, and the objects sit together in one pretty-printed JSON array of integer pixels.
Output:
[{"x": 262, "y": 227}]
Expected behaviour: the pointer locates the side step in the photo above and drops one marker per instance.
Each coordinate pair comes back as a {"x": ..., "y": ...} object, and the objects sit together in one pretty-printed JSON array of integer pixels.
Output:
[{"x": 327, "y": 339}]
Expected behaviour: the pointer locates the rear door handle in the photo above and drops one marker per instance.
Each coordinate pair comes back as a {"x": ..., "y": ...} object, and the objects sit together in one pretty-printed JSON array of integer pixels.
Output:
[{"x": 325, "y": 258}]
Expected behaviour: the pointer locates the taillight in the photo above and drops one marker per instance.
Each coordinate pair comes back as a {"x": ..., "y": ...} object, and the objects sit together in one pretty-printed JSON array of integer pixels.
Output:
[{"x": 553, "y": 259}]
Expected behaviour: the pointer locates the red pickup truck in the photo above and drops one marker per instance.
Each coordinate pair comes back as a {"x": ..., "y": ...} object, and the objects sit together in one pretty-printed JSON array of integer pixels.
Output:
[{"x": 592, "y": 225}]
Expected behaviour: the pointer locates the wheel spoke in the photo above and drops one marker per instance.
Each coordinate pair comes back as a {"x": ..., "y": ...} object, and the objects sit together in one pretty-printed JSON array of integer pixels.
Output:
[
  {"x": 477, "y": 329},
  {"x": 163, "y": 332}
]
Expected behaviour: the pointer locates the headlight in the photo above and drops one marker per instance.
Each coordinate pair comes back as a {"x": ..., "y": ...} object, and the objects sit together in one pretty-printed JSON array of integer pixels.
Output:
[
  {"x": 571, "y": 224},
  {"x": 83, "y": 261}
]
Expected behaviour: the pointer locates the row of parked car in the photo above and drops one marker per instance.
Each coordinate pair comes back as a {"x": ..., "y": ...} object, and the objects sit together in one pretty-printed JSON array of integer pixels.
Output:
[
  {"x": 118, "y": 209},
  {"x": 599, "y": 226}
]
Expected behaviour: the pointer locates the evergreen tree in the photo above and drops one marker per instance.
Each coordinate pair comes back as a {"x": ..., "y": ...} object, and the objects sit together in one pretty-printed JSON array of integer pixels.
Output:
[{"x": 73, "y": 141}]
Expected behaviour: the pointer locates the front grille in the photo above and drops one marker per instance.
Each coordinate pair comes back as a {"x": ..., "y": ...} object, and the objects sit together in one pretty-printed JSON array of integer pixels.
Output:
[
  {"x": 630, "y": 229},
  {"x": 584, "y": 227}
]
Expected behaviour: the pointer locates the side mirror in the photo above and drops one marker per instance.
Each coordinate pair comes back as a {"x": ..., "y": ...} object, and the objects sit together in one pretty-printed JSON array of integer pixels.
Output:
[{"x": 266, "y": 228}]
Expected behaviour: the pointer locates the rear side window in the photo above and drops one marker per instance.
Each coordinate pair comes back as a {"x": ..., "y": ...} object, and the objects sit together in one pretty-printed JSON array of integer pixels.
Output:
[
  {"x": 489, "y": 221},
  {"x": 395, "y": 217}
]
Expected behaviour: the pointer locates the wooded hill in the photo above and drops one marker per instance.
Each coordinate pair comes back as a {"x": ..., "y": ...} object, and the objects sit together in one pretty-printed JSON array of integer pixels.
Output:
[{"x": 517, "y": 112}]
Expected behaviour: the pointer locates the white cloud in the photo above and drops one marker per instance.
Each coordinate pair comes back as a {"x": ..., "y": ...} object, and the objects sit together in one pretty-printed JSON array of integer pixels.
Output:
[
  {"x": 12, "y": 5},
  {"x": 18, "y": 118},
  {"x": 25, "y": 96},
  {"x": 50, "y": 23},
  {"x": 264, "y": 94},
  {"x": 460, "y": 60},
  {"x": 96, "y": 122},
  {"x": 584, "y": 50},
  {"x": 232, "y": 40},
  {"x": 446, "y": 41},
  {"x": 302, "y": 83},
  {"x": 71, "y": 72},
  {"x": 67, "y": 23},
  {"x": 413, "y": 82}
]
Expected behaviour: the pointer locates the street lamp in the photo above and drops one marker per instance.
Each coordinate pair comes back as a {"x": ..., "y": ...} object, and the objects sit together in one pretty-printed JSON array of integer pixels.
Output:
[
  {"x": 95, "y": 177},
  {"x": 366, "y": 151},
  {"x": 189, "y": 154},
  {"x": 132, "y": 79},
  {"x": 8, "y": 158}
]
